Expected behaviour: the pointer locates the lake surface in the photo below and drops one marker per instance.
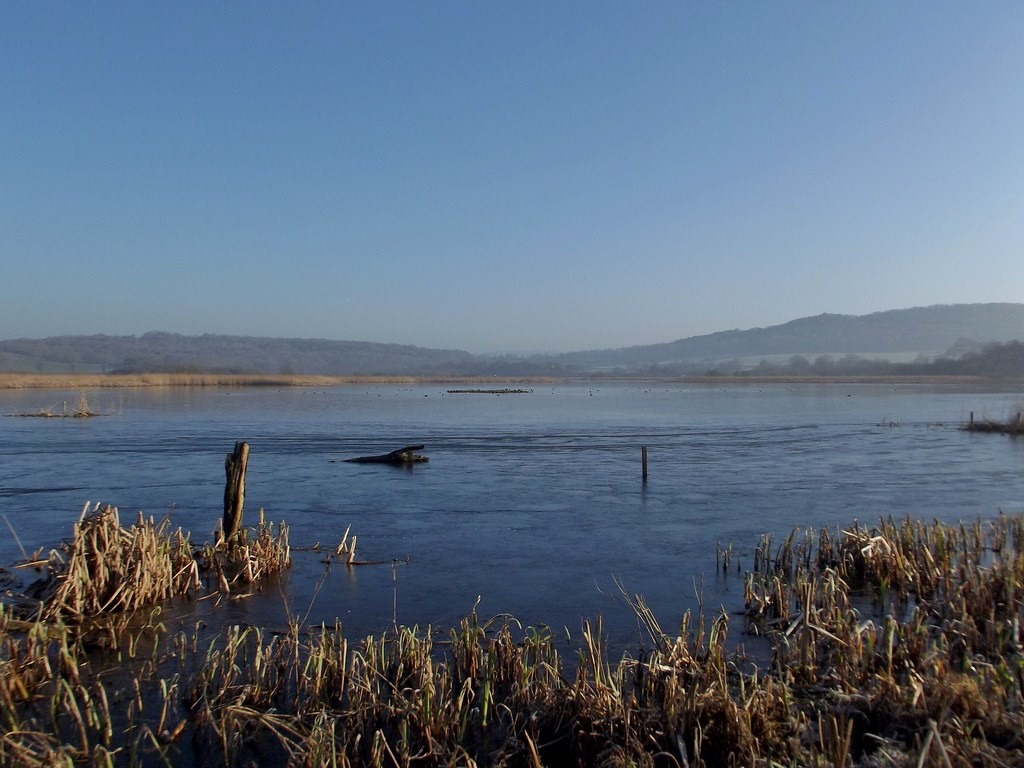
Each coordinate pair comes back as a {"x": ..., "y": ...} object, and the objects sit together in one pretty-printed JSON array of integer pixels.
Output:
[{"x": 531, "y": 504}]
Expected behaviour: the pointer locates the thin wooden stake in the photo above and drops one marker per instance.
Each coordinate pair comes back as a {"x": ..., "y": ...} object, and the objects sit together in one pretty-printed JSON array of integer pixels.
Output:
[{"x": 643, "y": 461}]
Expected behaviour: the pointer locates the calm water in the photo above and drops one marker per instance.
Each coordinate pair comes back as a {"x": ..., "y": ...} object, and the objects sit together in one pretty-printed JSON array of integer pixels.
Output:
[{"x": 531, "y": 504}]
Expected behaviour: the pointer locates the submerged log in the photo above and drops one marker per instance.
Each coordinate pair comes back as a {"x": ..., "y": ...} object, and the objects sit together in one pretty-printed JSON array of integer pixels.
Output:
[
  {"x": 490, "y": 391},
  {"x": 406, "y": 455}
]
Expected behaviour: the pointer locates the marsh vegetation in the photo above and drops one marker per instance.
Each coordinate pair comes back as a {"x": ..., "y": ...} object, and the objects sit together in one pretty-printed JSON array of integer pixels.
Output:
[
  {"x": 896, "y": 644},
  {"x": 81, "y": 410},
  {"x": 1013, "y": 425}
]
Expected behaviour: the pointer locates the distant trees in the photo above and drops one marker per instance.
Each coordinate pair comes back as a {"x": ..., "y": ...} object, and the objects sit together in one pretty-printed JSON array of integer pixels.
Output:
[
  {"x": 799, "y": 364},
  {"x": 169, "y": 353},
  {"x": 824, "y": 364},
  {"x": 999, "y": 359}
]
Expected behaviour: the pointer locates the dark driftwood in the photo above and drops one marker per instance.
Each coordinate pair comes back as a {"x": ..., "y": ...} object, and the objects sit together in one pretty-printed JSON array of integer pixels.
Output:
[
  {"x": 406, "y": 455},
  {"x": 234, "y": 488},
  {"x": 490, "y": 391}
]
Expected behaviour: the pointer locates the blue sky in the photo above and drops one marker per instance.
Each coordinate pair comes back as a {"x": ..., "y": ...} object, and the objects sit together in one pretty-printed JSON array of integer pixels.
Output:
[{"x": 504, "y": 176}]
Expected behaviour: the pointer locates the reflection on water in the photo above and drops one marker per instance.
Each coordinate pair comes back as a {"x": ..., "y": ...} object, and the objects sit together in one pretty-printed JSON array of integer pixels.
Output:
[{"x": 531, "y": 504}]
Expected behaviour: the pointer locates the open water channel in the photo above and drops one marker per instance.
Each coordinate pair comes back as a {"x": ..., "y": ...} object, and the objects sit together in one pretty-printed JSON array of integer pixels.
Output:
[{"x": 531, "y": 504}]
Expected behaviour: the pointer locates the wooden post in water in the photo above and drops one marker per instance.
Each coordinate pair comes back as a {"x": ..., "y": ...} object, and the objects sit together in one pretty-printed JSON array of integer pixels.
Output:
[
  {"x": 234, "y": 488},
  {"x": 643, "y": 462}
]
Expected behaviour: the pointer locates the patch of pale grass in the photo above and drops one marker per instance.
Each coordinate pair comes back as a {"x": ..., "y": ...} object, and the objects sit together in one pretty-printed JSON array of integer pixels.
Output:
[{"x": 110, "y": 568}]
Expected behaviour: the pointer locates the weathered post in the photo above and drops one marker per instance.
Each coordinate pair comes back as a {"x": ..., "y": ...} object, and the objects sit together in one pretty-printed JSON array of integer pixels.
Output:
[
  {"x": 643, "y": 462},
  {"x": 234, "y": 488}
]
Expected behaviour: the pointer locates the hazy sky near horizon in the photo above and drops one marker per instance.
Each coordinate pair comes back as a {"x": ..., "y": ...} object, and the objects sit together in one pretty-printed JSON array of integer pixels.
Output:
[{"x": 503, "y": 177}]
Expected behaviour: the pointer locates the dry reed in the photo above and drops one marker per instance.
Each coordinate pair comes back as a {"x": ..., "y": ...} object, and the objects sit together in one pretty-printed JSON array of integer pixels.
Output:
[
  {"x": 894, "y": 645},
  {"x": 1014, "y": 426},
  {"x": 248, "y": 556},
  {"x": 104, "y": 380},
  {"x": 107, "y": 568}
]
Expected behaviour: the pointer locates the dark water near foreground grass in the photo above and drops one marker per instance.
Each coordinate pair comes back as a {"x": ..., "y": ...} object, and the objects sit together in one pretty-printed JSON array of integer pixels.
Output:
[{"x": 531, "y": 504}]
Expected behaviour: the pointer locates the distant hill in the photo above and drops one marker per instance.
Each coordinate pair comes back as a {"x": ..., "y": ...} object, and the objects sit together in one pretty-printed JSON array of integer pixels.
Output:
[
  {"x": 171, "y": 352},
  {"x": 926, "y": 331},
  {"x": 922, "y": 331}
]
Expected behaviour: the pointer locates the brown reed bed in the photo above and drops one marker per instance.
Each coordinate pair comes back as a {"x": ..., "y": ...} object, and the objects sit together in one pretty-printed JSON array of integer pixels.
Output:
[
  {"x": 910, "y": 629},
  {"x": 1013, "y": 425},
  {"x": 76, "y": 381},
  {"x": 249, "y": 556},
  {"x": 81, "y": 410},
  {"x": 107, "y": 569},
  {"x": 894, "y": 645},
  {"x": 54, "y": 700},
  {"x": 108, "y": 380}
]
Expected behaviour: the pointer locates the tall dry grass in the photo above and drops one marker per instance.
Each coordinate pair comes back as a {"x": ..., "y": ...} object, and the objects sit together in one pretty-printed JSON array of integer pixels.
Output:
[
  {"x": 79, "y": 381},
  {"x": 55, "y": 695},
  {"x": 76, "y": 381},
  {"x": 894, "y": 645},
  {"x": 107, "y": 568},
  {"x": 249, "y": 556}
]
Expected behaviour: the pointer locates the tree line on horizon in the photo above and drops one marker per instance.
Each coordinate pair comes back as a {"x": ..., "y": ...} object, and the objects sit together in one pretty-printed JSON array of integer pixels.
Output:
[
  {"x": 273, "y": 356},
  {"x": 860, "y": 345},
  {"x": 994, "y": 360}
]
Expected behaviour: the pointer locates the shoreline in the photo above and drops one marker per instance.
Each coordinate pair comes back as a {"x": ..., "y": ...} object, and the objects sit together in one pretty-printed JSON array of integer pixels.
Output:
[
  {"x": 136, "y": 380},
  {"x": 112, "y": 381}
]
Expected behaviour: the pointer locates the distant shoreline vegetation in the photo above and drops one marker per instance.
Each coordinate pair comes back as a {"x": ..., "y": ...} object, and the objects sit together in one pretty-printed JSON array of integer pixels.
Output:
[
  {"x": 105, "y": 380},
  {"x": 969, "y": 339},
  {"x": 997, "y": 362},
  {"x": 86, "y": 381}
]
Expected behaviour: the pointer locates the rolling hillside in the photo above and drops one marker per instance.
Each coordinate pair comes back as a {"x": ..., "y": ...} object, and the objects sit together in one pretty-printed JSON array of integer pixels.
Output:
[{"x": 925, "y": 331}]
